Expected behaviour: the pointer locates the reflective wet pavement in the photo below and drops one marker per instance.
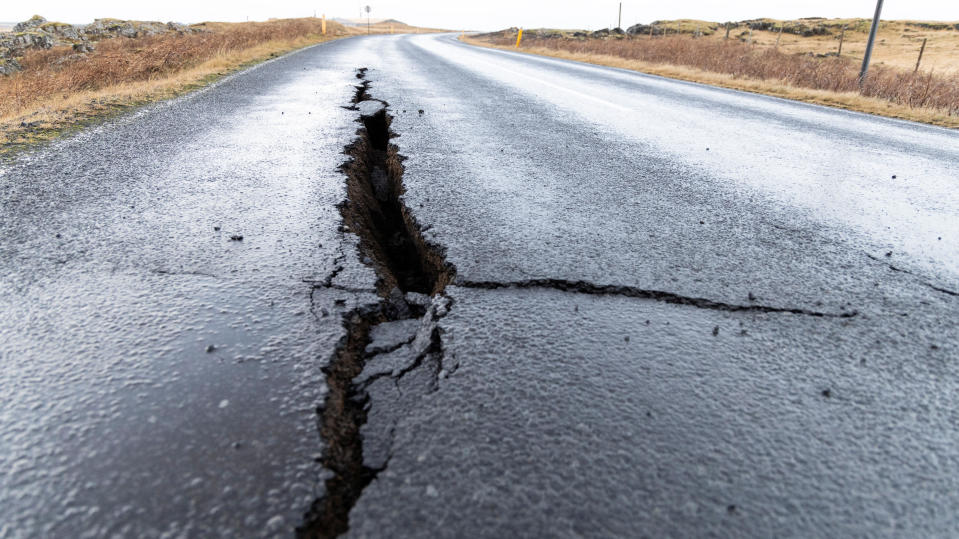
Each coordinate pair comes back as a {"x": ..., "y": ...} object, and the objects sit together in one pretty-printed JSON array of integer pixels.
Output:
[{"x": 607, "y": 364}]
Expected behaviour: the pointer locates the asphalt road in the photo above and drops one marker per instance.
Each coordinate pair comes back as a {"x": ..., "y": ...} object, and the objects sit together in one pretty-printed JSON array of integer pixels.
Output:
[{"x": 664, "y": 310}]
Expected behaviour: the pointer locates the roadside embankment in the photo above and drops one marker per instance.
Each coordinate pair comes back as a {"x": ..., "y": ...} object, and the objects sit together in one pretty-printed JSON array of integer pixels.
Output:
[
  {"x": 60, "y": 76},
  {"x": 745, "y": 62}
]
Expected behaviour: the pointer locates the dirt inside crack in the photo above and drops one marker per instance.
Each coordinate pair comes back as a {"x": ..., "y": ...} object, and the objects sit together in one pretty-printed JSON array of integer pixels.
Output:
[{"x": 391, "y": 241}]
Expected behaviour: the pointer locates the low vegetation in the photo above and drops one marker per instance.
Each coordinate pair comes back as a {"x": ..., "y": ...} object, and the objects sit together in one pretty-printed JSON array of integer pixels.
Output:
[
  {"x": 64, "y": 86},
  {"x": 796, "y": 62},
  {"x": 384, "y": 26}
]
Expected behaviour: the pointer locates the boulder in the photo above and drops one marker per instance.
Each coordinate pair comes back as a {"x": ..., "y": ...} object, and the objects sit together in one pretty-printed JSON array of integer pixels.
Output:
[
  {"x": 799, "y": 29},
  {"x": 22, "y": 41},
  {"x": 102, "y": 28},
  {"x": 32, "y": 22},
  {"x": 643, "y": 29},
  {"x": 127, "y": 30},
  {"x": 548, "y": 34},
  {"x": 61, "y": 30},
  {"x": 8, "y": 66}
]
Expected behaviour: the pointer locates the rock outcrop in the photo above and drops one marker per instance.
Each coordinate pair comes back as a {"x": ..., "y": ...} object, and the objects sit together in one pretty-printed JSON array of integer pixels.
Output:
[
  {"x": 804, "y": 28},
  {"x": 26, "y": 25},
  {"x": 38, "y": 33}
]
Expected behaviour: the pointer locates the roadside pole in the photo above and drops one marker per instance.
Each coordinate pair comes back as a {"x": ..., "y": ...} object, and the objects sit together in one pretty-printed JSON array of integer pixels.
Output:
[
  {"x": 323, "y": 24},
  {"x": 519, "y": 38},
  {"x": 872, "y": 40},
  {"x": 842, "y": 35},
  {"x": 620, "y": 23}
]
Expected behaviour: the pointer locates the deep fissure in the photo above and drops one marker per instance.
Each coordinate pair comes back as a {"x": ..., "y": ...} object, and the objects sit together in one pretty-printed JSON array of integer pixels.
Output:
[
  {"x": 392, "y": 242},
  {"x": 404, "y": 262}
]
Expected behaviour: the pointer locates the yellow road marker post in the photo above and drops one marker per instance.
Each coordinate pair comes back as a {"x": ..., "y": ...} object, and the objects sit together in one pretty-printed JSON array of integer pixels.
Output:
[
  {"x": 323, "y": 24},
  {"x": 519, "y": 37}
]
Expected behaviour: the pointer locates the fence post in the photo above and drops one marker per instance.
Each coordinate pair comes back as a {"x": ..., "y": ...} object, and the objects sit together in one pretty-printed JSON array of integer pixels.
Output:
[
  {"x": 727, "y": 32},
  {"x": 921, "y": 50},
  {"x": 842, "y": 34},
  {"x": 650, "y": 30},
  {"x": 780, "y": 36}
]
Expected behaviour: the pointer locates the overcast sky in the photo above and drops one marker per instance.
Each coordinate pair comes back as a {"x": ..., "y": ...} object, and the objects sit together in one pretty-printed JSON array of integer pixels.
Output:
[{"x": 481, "y": 14}]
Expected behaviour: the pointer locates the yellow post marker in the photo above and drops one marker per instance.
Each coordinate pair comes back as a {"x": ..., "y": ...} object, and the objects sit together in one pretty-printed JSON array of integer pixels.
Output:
[
  {"x": 323, "y": 24},
  {"x": 391, "y": 28},
  {"x": 519, "y": 37}
]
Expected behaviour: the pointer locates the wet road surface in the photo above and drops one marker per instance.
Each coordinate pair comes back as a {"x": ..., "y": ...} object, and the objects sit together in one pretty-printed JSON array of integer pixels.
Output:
[{"x": 657, "y": 309}]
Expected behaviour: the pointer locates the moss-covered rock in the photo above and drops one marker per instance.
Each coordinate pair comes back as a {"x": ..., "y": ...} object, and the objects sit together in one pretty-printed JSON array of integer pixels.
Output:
[
  {"x": 32, "y": 22},
  {"x": 61, "y": 30}
]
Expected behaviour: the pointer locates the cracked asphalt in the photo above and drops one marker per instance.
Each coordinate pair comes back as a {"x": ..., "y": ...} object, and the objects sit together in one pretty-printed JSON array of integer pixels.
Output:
[{"x": 676, "y": 310}]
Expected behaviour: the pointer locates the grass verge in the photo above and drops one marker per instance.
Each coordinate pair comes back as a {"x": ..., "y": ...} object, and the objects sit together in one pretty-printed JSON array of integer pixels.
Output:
[
  {"x": 849, "y": 100},
  {"x": 59, "y": 92}
]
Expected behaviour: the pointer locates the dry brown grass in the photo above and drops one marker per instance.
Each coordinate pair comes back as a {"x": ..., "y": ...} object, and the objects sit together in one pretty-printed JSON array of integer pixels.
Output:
[
  {"x": 897, "y": 42},
  {"x": 391, "y": 28},
  {"x": 58, "y": 88},
  {"x": 923, "y": 96}
]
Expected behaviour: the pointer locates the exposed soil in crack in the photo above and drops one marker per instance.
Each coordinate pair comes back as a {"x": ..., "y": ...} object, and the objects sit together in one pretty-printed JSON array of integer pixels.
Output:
[
  {"x": 340, "y": 422},
  {"x": 583, "y": 287},
  {"x": 405, "y": 263},
  {"x": 375, "y": 212}
]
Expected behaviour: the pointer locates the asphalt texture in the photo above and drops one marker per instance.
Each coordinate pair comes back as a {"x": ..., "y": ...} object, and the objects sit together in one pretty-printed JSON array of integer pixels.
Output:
[{"x": 672, "y": 310}]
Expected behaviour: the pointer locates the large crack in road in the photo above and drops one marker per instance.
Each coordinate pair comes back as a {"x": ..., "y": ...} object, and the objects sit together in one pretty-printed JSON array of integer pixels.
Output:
[{"x": 412, "y": 274}]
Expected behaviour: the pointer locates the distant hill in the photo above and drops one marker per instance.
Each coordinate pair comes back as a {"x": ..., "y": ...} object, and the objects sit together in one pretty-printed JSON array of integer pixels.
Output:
[{"x": 363, "y": 21}]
